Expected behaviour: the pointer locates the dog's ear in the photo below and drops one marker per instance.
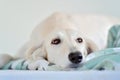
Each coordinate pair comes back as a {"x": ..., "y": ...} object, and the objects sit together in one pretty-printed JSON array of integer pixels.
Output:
[
  {"x": 36, "y": 52},
  {"x": 91, "y": 46},
  {"x": 89, "y": 50}
]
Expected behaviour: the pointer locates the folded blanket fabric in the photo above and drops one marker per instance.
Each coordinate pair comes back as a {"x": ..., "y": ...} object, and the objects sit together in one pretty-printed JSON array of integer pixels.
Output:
[
  {"x": 108, "y": 59},
  {"x": 114, "y": 37}
]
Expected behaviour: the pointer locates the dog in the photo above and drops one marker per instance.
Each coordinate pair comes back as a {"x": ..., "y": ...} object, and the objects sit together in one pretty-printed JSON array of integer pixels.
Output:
[{"x": 61, "y": 41}]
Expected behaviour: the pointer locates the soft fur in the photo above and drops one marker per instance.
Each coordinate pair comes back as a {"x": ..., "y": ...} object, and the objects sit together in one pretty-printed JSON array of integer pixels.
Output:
[{"x": 40, "y": 52}]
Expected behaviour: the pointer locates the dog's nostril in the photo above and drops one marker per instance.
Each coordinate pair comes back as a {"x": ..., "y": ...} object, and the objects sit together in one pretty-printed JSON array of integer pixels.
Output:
[
  {"x": 75, "y": 57},
  {"x": 79, "y": 57}
]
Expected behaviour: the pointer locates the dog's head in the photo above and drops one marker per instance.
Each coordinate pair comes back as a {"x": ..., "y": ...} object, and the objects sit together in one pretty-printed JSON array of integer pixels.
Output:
[
  {"x": 60, "y": 42},
  {"x": 66, "y": 48}
]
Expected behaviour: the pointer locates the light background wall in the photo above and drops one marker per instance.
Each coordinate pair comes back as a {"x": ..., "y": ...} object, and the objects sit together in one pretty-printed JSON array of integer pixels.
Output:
[{"x": 19, "y": 17}]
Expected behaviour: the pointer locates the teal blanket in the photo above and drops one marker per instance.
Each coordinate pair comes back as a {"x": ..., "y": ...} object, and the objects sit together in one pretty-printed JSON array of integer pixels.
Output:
[{"x": 108, "y": 59}]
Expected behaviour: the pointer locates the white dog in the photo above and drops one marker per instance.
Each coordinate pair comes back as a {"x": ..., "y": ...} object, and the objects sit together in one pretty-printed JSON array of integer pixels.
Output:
[{"x": 63, "y": 40}]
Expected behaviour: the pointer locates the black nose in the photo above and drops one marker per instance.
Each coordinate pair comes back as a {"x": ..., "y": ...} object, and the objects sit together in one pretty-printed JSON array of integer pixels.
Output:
[{"x": 75, "y": 57}]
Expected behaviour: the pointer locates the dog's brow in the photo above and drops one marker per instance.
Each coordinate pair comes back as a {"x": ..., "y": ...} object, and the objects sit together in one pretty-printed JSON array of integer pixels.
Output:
[{"x": 60, "y": 34}]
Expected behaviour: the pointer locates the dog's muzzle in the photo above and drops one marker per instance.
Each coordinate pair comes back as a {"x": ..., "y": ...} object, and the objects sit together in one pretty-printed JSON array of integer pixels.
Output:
[{"x": 75, "y": 57}]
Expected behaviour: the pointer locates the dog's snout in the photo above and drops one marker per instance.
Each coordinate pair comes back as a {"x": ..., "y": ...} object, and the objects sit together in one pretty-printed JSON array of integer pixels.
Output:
[{"x": 75, "y": 57}]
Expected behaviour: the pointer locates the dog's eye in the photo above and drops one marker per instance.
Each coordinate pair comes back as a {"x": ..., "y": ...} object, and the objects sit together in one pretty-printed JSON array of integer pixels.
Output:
[
  {"x": 79, "y": 40},
  {"x": 56, "y": 41}
]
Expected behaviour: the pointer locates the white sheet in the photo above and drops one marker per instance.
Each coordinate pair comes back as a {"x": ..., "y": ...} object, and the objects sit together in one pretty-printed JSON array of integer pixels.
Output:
[{"x": 63, "y": 75}]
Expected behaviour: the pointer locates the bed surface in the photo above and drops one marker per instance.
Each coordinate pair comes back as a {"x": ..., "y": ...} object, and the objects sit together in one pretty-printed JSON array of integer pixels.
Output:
[{"x": 59, "y": 75}]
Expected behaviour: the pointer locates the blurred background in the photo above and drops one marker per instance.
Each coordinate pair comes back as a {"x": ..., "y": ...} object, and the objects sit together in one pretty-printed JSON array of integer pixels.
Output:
[{"x": 19, "y": 17}]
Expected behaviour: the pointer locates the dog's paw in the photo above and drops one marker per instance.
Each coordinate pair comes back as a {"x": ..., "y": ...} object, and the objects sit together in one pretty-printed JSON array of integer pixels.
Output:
[{"x": 38, "y": 65}]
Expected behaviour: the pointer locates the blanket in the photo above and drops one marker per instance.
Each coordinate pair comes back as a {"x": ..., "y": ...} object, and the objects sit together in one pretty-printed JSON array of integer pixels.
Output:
[{"x": 107, "y": 59}]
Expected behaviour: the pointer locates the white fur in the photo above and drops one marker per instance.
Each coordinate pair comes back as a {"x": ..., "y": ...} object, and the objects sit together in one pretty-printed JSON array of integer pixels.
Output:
[
  {"x": 4, "y": 58},
  {"x": 92, "y": 29}
]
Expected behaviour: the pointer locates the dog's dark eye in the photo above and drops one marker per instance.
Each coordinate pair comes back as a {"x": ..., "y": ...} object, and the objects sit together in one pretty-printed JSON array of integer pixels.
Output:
[
  {"x": 79, "y": 40},
  {"x": 56, "y": 41}
]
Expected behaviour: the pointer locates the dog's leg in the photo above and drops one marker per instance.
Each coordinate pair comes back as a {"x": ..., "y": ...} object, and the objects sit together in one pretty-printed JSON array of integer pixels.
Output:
[
  {"x": 4, "y": 59},
  {"x": 37, "y": 60},
  {"x": 41, "y": 64}
]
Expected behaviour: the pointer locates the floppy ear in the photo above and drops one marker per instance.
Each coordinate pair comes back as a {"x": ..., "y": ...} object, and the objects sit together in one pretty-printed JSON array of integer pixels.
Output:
[
  {"x": 36, "y": 52},
  {"x": 91, "y": 46},
  {"x": 89, "y": 50}
]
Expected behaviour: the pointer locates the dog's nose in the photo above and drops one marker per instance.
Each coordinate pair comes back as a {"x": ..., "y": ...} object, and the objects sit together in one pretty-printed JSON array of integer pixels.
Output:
[{"x": 75, "y": 57}]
